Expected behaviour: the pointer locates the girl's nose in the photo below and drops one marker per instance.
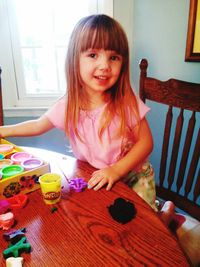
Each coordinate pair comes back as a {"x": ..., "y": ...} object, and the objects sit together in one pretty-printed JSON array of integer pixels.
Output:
[{"x": 104, "y": 63}]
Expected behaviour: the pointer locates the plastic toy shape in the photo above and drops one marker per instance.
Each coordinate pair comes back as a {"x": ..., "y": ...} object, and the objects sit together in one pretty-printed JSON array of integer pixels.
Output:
[
  {"x": 18, "y": 201},
  {"x": 18, "y": 248},
  {"x": 77, "y": 184},
  {"x": 4, "y": 206},
  {"x": 122, "y": 211},
  {"x": 14, "y": 262},
  {"x": 6, "y": 220},
  {"x": 14, "y": 235}
]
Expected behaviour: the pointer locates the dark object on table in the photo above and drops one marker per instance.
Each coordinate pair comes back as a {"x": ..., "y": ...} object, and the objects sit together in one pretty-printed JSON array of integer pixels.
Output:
[
  {"x": 122, "y": 210},
  {"x": 53, "y": 209}
]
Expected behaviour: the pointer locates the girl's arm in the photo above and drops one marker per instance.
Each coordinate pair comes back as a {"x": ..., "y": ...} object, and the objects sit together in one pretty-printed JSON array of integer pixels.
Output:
[
  {"x": 139, "y": 152},
  {"x": 27, "y": 128}
]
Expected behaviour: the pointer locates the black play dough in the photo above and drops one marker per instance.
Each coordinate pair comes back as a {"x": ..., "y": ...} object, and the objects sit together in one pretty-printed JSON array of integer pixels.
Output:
[{"x": 122, "y": 211}]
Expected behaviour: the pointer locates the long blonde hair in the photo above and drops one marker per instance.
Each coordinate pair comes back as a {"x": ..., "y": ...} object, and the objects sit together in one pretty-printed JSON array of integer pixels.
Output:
[{"x": 99, "y": 32}]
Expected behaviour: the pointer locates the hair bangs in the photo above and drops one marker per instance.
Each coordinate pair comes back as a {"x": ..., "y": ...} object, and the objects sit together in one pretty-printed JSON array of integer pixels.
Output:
[{"x": 98, "y": 35}]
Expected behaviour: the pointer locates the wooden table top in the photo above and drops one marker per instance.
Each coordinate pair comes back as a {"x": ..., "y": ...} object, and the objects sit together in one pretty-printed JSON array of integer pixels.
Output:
[{"x": 82, "y": 232}]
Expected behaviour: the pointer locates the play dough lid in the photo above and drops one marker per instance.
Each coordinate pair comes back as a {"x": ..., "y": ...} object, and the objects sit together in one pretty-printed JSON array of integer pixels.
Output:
[
  {"x": 31, "y": 163},
  {"x": 12, "y": 170},
  {"x": 5, "y": 148},
  {"x": 19, "y": 157}
]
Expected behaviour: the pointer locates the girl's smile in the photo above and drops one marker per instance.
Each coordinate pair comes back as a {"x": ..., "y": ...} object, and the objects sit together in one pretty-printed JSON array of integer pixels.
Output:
[{"x": 99, "y": 70}]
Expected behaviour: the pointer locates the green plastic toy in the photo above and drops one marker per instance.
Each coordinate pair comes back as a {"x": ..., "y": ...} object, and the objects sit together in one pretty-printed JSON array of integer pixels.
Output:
[{"x": 18, "y": 248}]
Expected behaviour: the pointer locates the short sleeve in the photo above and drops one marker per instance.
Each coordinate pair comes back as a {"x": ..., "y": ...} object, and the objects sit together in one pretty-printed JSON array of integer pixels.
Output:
[
  {"x": 143, "y": 108},
  {"x": 132, "y": 119},
  {"x": 56, "y": 114}
]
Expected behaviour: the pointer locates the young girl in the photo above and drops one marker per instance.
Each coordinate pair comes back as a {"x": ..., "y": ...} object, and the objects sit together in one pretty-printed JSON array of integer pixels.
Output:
[{"x": 102, "y": 117}]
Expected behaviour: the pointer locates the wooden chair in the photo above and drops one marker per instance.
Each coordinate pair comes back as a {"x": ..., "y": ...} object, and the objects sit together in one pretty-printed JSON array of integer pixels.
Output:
[
  {"x": 1, "y": 102},
  {"x": 182, "y": 186}
]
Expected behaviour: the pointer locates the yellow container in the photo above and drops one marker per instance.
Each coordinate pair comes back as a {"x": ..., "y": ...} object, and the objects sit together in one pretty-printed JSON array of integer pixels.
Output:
[{"x": 51, "y": 187}]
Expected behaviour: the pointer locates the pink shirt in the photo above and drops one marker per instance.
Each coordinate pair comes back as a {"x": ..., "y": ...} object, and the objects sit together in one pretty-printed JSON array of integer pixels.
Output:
[{"x": 98, "y": 153}]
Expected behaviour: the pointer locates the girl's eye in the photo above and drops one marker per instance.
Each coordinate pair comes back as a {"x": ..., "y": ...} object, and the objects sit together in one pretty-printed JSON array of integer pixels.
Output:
[
  {"x": 92, "y": 55},
  {"x": 114, "y": 58}
]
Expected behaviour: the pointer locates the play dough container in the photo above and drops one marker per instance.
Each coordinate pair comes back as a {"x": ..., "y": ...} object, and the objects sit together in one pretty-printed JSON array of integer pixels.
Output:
[
  {"x": 32, "y": 163},
  {"x": 19, "y": 157},
  {"x": 51, "y": 187},
  {"x": 11, "y": 170},
  {"x": 6, "y": 148}
]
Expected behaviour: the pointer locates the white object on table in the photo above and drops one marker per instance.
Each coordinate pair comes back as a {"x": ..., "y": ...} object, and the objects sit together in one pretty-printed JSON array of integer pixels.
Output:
[{"x": 14, "y": 262}]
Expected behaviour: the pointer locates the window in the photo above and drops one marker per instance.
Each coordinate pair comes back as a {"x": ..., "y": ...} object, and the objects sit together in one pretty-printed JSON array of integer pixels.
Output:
[{"x": 33, "y": 47}]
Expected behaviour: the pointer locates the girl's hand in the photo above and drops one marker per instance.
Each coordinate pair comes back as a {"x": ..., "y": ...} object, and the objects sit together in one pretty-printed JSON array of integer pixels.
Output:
[{"x": 102, "y": 177}]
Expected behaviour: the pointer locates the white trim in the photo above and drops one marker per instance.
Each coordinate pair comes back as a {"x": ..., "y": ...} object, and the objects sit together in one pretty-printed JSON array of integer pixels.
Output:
[{"x": 24, "y": 112}]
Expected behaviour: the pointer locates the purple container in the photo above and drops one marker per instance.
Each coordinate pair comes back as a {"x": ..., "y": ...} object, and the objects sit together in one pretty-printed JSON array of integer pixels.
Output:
[{"x": 32, "y": 163}]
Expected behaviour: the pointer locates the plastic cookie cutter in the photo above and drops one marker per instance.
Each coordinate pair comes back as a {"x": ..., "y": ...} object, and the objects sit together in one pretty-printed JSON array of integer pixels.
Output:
[
  {"x": 77, "y": 184},
  {"x": 14, "y": 262},
  {"x": 14, "y": 235},
  {"x": 18, "y": 201},
  {"x": 18, "y": 248},
  {"x": 6, "y": 220},
  {"x": 4, "y": 206}
]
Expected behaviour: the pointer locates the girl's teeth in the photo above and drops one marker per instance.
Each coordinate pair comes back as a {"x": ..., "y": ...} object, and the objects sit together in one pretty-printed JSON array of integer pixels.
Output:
[{"x": 101, "y": 77}]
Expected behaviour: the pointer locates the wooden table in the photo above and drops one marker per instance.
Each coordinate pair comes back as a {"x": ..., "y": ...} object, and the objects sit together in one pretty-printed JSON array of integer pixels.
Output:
[{"x": 83, "y": 233}]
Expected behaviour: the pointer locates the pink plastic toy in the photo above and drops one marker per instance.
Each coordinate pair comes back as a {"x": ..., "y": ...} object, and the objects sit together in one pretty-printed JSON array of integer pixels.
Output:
[
  {"x": 6, "y": 220},
  {"x": 4, "y": 206},
  {"x": 78, "y": 184}
]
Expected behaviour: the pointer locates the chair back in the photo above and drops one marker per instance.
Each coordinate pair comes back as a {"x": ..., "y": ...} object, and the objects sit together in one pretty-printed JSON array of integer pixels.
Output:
[
  {"x": 1, "y": 102},
  {"x": 179, "y": 177}
]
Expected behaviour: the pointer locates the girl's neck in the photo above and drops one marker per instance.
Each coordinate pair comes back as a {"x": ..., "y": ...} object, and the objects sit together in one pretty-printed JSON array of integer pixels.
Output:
[{"x": 95, "y": 101}]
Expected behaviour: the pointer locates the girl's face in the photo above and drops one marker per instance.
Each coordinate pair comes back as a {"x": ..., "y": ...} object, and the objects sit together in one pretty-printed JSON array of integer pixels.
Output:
[{"x": 99, "y": 70}]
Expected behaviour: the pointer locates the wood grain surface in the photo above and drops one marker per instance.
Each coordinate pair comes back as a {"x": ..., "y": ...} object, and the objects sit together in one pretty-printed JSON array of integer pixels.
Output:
[{"x": 82, "y": 232}]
